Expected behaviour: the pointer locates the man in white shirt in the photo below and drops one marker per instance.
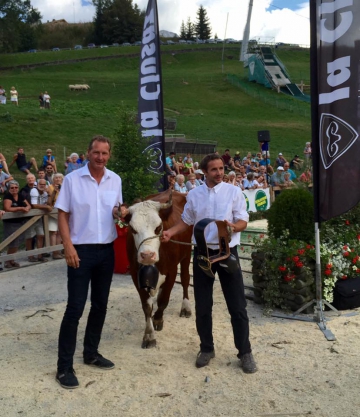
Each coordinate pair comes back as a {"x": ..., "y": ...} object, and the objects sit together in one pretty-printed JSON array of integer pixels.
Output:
[
  {"x": 221, "y": 201},
  {"x": 88, "y": 203}
]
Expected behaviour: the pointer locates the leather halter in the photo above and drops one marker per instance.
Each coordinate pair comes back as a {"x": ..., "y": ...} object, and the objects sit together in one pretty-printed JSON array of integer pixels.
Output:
[{"x": 206, "y": 261}]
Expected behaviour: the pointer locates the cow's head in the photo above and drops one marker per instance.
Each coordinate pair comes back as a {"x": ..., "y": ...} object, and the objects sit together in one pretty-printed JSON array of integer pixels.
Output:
[{"x": 146, "y": 227}]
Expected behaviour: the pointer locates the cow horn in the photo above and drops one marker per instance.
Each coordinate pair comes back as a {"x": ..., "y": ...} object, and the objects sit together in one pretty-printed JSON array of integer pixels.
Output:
[{"x": 168, "y": 204}]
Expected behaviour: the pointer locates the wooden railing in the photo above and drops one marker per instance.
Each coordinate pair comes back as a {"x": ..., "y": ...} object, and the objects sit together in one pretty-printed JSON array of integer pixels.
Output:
[{"x": 34, "y": 216}]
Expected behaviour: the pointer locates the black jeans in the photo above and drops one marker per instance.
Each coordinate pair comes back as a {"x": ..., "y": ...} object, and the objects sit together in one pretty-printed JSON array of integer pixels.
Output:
[
  {"x": 96, "y": 267},
  {"x": 233, "y": 289}
]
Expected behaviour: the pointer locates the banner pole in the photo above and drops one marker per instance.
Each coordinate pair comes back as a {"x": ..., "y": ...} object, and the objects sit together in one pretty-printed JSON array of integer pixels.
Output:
[{"x": 318, "y": 301}]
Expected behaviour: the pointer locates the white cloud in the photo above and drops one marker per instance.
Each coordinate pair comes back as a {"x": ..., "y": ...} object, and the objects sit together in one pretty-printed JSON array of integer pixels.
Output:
[{"x": 283, "y": 25}]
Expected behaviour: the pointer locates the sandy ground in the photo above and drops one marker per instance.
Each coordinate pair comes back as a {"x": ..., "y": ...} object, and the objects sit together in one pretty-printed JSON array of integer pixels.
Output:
[{"x": 300, "y": 372}]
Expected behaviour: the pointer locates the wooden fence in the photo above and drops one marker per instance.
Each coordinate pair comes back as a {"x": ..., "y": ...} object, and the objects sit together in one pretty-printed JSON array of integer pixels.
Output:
[{"x": 33, "y": 216}]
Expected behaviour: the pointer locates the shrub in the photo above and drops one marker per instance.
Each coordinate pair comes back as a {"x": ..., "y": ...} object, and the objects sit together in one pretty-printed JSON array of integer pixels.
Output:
[
  {"x": 130, "y": 161},
  {"x": 292, "y": 210}
]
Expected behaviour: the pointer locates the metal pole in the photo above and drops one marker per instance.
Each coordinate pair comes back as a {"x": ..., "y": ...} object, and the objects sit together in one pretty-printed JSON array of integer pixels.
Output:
[
  {"x": 222, "y": 58},
  {"x": 245, "y": 41}
]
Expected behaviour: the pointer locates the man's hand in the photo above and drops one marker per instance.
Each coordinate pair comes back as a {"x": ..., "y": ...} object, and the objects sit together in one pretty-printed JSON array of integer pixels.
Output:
[
  {"x": 230, "y": 225},
  {"x": 71, "y": 256},
  {"x": 166, "y": 236}
]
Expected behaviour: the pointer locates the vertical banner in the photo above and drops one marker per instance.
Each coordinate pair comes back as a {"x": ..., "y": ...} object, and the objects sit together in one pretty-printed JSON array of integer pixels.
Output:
[
  {"x": 150, "y": 102},
  {"x": 336, "y": 146}
]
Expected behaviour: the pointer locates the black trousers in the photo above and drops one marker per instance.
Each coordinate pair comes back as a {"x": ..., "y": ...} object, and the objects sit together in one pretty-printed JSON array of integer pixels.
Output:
[
  {"x": 233, "y": 289},
  {"x": 96, "y": 268}
]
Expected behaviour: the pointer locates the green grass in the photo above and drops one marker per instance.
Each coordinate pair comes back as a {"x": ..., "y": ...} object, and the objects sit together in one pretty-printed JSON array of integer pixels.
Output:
[{"x": 195, "y": 92}]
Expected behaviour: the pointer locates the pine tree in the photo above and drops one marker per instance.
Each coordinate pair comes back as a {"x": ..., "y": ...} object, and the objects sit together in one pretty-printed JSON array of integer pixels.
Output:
[
  {"x": 202, "y": 26},
  {"x": 182, "y": 30},
  {"x": 190, "y": 30}
]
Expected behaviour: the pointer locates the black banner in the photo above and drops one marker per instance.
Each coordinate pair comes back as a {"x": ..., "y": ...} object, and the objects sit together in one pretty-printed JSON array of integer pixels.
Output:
[
  {"x": 335, "y": 92},
  {"x": 150, "y": 103}
]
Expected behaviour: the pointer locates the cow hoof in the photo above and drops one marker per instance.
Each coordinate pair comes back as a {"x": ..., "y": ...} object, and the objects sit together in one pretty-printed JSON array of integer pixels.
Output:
[
  {"x": 158, "y": 325},
  {"x": 148, "y": 344},
  {"x": 185, "y": 313}
]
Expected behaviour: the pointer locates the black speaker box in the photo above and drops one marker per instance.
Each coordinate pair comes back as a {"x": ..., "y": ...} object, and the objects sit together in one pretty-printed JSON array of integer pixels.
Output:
[{"x": 263, "y": 136}]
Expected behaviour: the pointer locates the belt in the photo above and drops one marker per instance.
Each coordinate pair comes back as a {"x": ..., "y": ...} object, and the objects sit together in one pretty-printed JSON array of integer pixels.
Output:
[
  {"x": 95, "y": 245},
  {"x": 205, "y": 257}
]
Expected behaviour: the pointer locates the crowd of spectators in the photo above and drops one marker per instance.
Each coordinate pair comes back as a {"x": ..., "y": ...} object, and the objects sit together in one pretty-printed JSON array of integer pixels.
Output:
[
  {"x": 252, "y": 171},
  {"x": 40, "y": 192}
]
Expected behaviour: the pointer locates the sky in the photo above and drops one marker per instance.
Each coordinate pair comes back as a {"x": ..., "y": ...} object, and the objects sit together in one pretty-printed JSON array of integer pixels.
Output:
[{"x": 272, "y": 20}]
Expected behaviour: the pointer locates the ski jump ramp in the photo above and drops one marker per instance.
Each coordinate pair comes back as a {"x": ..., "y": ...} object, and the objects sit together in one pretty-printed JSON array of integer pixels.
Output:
[{"x": 267, "y": 69}]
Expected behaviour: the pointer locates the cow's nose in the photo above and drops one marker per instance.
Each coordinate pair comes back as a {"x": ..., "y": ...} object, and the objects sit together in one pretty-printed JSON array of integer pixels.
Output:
[{"x": 147, "y": 256}]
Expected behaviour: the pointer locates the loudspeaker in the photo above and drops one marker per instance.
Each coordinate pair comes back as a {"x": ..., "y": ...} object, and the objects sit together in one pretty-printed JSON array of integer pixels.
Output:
[{"x": 263, "y": 136}]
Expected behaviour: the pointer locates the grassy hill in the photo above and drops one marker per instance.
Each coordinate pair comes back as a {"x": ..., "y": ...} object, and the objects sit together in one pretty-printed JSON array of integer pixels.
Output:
[{"x": 196, "y": 92}]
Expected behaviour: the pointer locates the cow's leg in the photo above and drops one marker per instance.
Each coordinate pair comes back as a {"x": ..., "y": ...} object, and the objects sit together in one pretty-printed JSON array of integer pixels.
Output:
[
  {"x": 163, "y": 300},
  {"x": 185, "y": 281},
  {"x": 149, "y": 339}
]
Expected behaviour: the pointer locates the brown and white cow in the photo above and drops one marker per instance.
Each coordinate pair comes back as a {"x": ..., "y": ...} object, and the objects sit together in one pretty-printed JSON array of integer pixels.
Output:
[{"x": 147, "y": 219}]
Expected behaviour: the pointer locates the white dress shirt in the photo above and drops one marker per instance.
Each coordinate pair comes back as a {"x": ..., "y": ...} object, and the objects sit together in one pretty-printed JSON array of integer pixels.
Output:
[
  {"x": 90, "y": 205},
  {"x": 222, "y": 202}
]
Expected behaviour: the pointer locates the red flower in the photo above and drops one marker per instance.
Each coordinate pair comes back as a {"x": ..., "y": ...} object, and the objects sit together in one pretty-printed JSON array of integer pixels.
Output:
[
  {"x": 347, "y": 222},
  {"x": 309, "y": 246},
  {"x": 358, "y": 237},
  {"x": 261, "y": 236},
  {"x": 358, "y": 270},
  {"x": 289, "y": 278},
  {"x": 328, "y": 266},
  {"x": 346, "y": 254},
  {"x": 345, "y": 247},
  {"x": 344, "y": 277},
  {"x": 354, "y": 260},
  {"x": 301, "y": 251},
  {"x": 282, "y": 268},
  {"x": 296, "y": 259},
  {"x": 327, "y": 272},
  {"x": 299, "y": 264}
]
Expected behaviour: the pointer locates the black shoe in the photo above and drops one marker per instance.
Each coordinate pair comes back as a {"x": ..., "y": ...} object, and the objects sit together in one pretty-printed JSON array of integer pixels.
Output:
[
  {"x": 100, "y": 362},
  {"x": 67, "y": 378},
  {"x": 203, "y": 358},
  {"x": 247, "y": 363}
]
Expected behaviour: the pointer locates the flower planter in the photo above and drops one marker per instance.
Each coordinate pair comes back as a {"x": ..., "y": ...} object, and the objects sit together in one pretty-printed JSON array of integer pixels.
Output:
[{"x": 295, "y": 289}]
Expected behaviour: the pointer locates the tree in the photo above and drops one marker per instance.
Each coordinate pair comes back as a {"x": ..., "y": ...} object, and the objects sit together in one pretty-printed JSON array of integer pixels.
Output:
[
  {"x": 182, "y": 30},
  {"x": 202, "y": 26},
  {"x": 189, "y": 30},
  {"x": 20, "y": 24},
  {"x": 117, "y": 21},
  {"x": 130, "y": 161},
  {"x": 98, "y": 21}
]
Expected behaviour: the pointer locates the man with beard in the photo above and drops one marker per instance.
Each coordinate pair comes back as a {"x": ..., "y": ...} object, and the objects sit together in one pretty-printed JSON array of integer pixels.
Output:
[{"x": 221, "y": 201}]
